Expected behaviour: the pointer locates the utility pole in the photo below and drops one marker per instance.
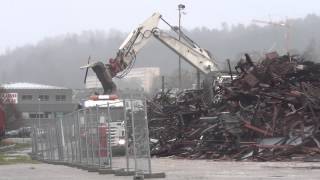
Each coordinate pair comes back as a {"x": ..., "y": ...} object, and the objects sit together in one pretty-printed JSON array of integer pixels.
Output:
[{"x": 180, "y": 8}]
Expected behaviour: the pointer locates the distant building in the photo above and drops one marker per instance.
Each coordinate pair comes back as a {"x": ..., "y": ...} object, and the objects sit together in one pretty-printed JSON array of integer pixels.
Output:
[
  {"x": 137, "y": 78},
  {"x": 37, "y": 101}
]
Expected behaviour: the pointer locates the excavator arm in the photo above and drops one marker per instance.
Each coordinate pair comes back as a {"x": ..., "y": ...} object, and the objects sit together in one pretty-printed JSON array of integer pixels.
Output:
[
  {"x": 137, "y": 39},
  {"x": 191, "y": 53}
]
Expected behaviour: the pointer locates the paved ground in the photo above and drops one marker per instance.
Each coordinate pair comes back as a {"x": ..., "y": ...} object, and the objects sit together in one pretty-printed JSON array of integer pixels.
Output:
[{"x": 175, "y": 170}]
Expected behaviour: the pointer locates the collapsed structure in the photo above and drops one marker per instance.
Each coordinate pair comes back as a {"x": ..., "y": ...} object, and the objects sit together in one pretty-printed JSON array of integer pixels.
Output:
[{"x": 269, "y": 112}]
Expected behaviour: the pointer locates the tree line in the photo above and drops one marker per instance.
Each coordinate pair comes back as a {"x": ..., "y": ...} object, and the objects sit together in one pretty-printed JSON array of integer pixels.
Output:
[{"x": 56, "y": 60}]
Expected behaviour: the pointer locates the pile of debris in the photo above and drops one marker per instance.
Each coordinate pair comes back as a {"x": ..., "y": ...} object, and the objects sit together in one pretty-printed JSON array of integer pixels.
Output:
[{"x": 269, "y": 112}]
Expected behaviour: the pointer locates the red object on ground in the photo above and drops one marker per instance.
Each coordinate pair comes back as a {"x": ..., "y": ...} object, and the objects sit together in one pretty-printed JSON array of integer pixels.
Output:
[
  {"x": 2, "y": 122},
  {"x": 103, "y": 140}
]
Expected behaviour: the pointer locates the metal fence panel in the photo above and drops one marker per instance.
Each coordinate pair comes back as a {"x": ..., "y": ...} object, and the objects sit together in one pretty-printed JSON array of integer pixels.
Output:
[
  {"x": 91, "y": 136},
  {"x": 138, "y": 136}
]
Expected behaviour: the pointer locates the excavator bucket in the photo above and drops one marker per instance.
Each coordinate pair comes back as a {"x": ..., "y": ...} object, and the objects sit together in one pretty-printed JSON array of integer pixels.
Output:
[{"x": 103, "y": 73}]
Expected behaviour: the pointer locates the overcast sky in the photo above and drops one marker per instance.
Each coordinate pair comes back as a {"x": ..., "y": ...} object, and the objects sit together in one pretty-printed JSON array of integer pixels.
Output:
[{"x": 29, "y": 21}]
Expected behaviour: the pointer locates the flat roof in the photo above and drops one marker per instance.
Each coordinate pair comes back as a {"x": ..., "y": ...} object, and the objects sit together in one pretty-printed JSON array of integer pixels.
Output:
[{"x": 26, "y": 85}]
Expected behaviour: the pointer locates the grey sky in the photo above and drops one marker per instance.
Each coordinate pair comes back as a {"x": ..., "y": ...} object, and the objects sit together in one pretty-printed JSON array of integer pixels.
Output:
[{"x": 28, "y": 21}]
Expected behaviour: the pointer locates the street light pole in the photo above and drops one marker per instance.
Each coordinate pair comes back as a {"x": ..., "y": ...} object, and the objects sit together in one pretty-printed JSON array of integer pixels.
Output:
[{"x": 180, "y": 7}]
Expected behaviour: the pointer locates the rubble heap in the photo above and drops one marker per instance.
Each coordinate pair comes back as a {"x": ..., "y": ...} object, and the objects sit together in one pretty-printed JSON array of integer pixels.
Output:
[{"x": 269, "y": 112}]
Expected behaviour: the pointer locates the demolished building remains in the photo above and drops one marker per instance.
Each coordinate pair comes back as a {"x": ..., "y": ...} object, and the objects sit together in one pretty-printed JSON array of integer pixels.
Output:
[{"x": 270, "y": 112}]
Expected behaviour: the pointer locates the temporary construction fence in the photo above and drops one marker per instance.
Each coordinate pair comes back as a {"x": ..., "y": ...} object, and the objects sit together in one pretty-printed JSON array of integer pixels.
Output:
[
  {"x": 86, "y": 138},
  {"x": 76, "y": 138},
  {"x": 138, "y": 149}
]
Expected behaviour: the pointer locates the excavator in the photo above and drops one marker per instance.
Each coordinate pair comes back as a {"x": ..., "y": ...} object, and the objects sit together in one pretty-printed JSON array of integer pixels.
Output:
[{"x": 190, "y": 51}]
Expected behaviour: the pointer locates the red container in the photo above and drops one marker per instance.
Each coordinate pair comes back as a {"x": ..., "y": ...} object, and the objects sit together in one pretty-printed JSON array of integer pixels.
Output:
[{"x": 103, "y": 140}]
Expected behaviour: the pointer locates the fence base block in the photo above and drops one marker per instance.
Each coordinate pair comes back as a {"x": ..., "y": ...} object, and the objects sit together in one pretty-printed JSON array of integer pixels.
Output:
[
  {"x": 55, "y": 162},
  {"x": 86, "y": 167},
  {"x": 154, "y": 175},
  {"x": 64, "y": 163},
  {"x": 106, "y": 171},
  {"x": 93, "y": 169},
  {"x": 122, "y": 172},
  {"x": 138, "y": 177},
  {"x": 79, "y": 166},
  {"x": 72, "y": 165}
]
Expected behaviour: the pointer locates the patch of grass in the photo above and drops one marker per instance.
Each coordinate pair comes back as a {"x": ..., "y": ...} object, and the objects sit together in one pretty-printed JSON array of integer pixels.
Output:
[
  {"x": 15, "y": 147},
  {"x": 7, "y": 159},
  {"x": 7, "y": 155},
  {"x": 22, "y": 146}
]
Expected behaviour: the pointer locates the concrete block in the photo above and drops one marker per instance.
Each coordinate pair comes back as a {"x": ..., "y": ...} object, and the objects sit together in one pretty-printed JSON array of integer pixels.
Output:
[
  {"x": 154, "y": 175},
  {"x": 106, "y": 171}
]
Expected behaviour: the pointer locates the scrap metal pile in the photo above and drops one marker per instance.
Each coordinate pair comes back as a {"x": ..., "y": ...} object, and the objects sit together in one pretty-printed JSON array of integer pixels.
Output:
[{"x": 269, "y": 112}]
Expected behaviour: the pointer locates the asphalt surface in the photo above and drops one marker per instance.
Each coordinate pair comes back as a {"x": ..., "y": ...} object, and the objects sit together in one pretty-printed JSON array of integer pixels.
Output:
[{"x": 175, "y": 169}]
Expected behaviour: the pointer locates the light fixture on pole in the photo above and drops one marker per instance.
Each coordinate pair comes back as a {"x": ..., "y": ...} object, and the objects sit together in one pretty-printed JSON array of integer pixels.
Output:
[{"x": 180, "y": 8}]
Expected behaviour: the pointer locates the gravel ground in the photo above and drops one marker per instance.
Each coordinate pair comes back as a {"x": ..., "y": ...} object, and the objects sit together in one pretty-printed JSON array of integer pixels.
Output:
[{"x": 175, "y": 170}]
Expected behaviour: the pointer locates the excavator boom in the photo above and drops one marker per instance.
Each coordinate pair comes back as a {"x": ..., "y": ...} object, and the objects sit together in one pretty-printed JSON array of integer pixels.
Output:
[{"x": 137, "y": 39}]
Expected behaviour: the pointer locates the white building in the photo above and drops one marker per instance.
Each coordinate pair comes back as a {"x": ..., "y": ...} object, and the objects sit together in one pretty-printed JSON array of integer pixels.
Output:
[{"x": 136, "y": 78}]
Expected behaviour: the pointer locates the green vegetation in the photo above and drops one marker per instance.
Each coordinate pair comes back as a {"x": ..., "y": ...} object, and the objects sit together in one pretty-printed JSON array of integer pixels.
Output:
[
  {"x": 21, "y": 146},
  {"x": 6, "y": 159},
  {"x": 12, "y": 156}
]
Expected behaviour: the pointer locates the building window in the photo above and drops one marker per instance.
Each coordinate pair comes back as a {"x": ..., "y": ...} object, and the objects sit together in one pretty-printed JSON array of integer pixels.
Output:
[
  {"x": 60, "y": 97},
  {"x": 44, "y": 98},
  {"x": 39, "y": 115},
  {"x": 26, "y": 97}
]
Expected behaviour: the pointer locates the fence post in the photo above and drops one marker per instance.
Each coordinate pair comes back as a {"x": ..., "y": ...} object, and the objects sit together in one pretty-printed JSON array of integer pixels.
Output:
[
  {"x": 62, "y": 142},
  {"x": 109, "y": 136},
  {"x": 79, "y": 132},
  {"x": 71, "y": 134},
  {"x": 66, "y": 139},
  {"x": 133, "y": 136},
  {"x": 51, "y": 143},
  {"x": 86, "y": 133},
  {"x": 74, "y": 137},
  {"x": 147, "y": 134},
  {"x": 47, "y": 144},
  {"x": 126, "y": 134},
  {"x": 98, "y": 135},
  {"x": 35, "y": 139}
]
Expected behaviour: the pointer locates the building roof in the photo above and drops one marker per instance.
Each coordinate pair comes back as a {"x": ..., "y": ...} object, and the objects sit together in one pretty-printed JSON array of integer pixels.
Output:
[{"x": 25, "y": 85}]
